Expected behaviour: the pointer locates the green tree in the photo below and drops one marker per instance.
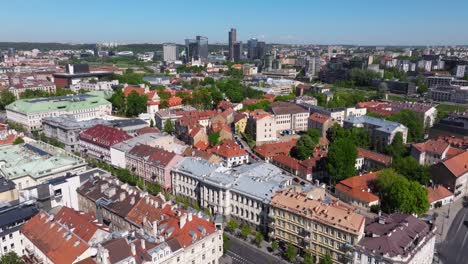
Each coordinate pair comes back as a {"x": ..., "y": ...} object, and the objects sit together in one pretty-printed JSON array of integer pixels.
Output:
[
  {"x": 420, "y": 82},
  {"x": 232, "y": 225},
  {"x": 18, "y": 140},
  {"x": 326, "y": 259},
  {"x": 136, "y": 104},
  {"x": 382, "y": 90},
  {"x": 118, "y": 101},
  {"x": 259, "y": 238},
  {"x": 397, "y": 149},
  {"x": 11, "y": 258},
  {"x": 305, "y": 145},
  {"x": 245, "y": 230},
  {"x": 341, "y": 159},
  {"x": 362, "y": 77},
  {"x": 308, "y": 259},
  {"x": 290, "y": 253},
  {"x": 395, "y": 73},
  {"x": 213, "y": 138},
  {"x": 411, "y": 169},
  {"x": 168, "y": 126},
  {"x": 226, "y": 243},
  {"x": 398, "y": 194},
  {"x": 274, "y": 245},
  {"x": 6, "y": 98},
  {"x": 411, "y": 120}
]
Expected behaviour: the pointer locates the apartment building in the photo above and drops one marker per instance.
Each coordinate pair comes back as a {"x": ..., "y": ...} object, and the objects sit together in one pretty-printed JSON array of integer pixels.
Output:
[
  {"x": 262, "y": 125},
  {"x": 152, "y": 164},
  {"x": 289, "y": 116},
  {"x": 320, "y": 122},
  {"x": 38, "y": 85},
  {"x": 94, "y": 85},
  {"x": 30, "y": 112},
  {"x": 396, "y": 238},
  {"x": 243, "y": 192},
  {"x": 433, "y": 151},
  {"x": 98, "y": 140},
  {"x": 60, "y": 191},
  {"x": 382, "y": 131},
  {"x": 358, "y": 190},
  {"x": 453, "y": 174},
  {"x": 368, "y": 160},
  {"x": 66, "y": 237},
  {"x": 13, "y": 216},
  {"x": 231, "y": 153},
  {"x": 316, "y": 226}
]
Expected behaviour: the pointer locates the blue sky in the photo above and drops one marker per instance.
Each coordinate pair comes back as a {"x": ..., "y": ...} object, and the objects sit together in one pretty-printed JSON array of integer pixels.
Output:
[{"x": 366, "y": 22}]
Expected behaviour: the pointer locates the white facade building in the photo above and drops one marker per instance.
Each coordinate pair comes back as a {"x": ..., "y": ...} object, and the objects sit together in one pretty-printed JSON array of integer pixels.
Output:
[{"x": 243, "y": 192}]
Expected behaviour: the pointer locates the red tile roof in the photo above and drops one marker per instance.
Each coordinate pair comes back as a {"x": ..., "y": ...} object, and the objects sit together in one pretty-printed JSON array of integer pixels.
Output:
[
  {"x": 129, "y": 89},
  {"x": 319, "y": 118},
  {"x": 274, "y": 149},
  {"x": 457, "y": 165},
  {"x": 433, "y": 146},
  {"x": 147, "y": 130},
  {"x": 201, "y": 145},
  {"x": 168, "y": 219},
  {"x": 104, "y": 136},
  {"x": 437, "y": 193},
  {"x": 228, "y": 149},
  {"x": 358, "y": 187},
  {"x": 58, "y": 243},
  {"x": 374, "y": 156},
  {"x": 174, "y": 101},
  {"x": 84, "y": 225}
]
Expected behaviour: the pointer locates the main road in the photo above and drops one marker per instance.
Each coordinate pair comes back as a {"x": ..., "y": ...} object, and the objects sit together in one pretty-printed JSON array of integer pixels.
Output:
[
  {"x": 242, "y": 252},
  {"x": 454, "y": 248}
]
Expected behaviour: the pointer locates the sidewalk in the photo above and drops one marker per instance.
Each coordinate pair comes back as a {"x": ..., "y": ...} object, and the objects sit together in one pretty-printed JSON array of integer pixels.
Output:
[
  {"x": 263, "y": 248},
  {"x": 445, "y": 218}
]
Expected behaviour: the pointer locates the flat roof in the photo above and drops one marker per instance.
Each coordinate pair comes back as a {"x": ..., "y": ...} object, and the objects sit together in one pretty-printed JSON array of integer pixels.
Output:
[{"x": 36, "y": 159}]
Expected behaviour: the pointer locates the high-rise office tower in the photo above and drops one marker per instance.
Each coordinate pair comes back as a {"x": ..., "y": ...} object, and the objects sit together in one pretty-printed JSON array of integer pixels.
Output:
[
  {"x": 169, "y": 52},
  {"x": 191, "y": 50},
  {"x": 11, "y": 52},
  {"x": 261, "y": 50},
  {"x": 237, "y": 50},
  {"x": 252, "y": 48},
  {"x": 202, "y": 43},
  {"x": 232, "y": 41}
]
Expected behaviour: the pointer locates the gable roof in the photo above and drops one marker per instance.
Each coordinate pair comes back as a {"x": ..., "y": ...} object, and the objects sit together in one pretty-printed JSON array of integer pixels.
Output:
[
  {"x": 357, "y": 187},
  {"x": 437, "y": 193},
  {"x": 457, "y": 165},
  {"x": 374, "y": 156},
  {"x": 84, "y": 225},
  {"x": 156, "y": 156},
  {"x": 56, "y": 241}
]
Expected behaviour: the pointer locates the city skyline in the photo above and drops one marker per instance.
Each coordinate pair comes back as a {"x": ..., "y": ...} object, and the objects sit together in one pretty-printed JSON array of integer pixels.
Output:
[{"x": 334, "y": 22}]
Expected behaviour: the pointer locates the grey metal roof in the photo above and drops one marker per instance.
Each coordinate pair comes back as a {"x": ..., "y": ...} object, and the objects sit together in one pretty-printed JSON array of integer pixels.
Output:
[
  {"x": 258, "y": 180},
  {"x": 15, "y": 213},
  {"x": 381, "y": 124}
]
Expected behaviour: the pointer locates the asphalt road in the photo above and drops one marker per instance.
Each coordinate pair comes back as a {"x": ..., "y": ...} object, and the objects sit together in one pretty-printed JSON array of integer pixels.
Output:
[
  {"x": 454, "y": 248},
  {"x": 242, "y": 252}
]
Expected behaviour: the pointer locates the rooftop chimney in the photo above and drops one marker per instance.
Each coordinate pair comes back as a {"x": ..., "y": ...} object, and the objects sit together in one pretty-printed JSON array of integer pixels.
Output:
[
  {"x": 155, "y": 228},
  {"x": 133, "y": 249},
  {"x": 189, "y": 218},
  {"x": 122, "y": 196},
  {"x": 143, "y": 244},
  {"x": 182, "y": 220}
]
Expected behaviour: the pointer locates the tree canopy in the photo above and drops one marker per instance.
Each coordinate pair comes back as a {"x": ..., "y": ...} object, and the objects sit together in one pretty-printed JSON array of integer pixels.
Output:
[
  {"x": 168, "y": 127},
  {"x": 11, "y": 258},
  {"x": 305, "y": 145},
  {"x": 398, "y": 194},
  {"x": 411, "y": 120},
  {"x": 341, "y": 159},
  {"x": 213, "y": 138},
  {"x": 6, "y": 98},
  {"x": 136, "y": 104},
  {"x": 412, "y": 170}
]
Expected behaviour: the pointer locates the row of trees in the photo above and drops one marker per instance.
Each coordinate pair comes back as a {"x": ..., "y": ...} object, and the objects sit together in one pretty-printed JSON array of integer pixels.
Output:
[{"x": 131, "y": 106}]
